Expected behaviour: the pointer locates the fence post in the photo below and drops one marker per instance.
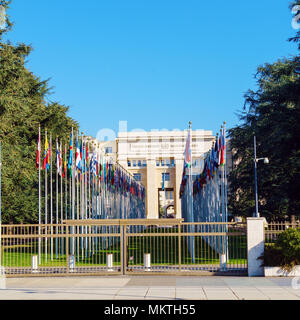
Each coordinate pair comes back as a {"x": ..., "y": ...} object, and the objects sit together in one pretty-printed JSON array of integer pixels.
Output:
[
  {"x": 123, "y": 248},
  {"x": 179, "y": 246},
  {"x": 67, "y": 248},
  {"x": 255, "y": 246}
]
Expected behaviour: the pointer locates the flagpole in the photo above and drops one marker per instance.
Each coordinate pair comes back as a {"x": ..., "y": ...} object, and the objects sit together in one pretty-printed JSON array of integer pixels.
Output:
[
  {"x": 61, "y": 194},
  {"x": 39, "y": 159},
  {"x": 66, "y": 191},
  {"x": 46, "y": 205},
  {"x": 56, "y": 197},
  {"x": 226, "y": 190},
  {"x": 73, "y": 194},
  {"x": 51, "y": 199},
  {"x": 191, "y": 172},
  {"x": 0, "y": 206},
  {"x": 77, "y": 198}
]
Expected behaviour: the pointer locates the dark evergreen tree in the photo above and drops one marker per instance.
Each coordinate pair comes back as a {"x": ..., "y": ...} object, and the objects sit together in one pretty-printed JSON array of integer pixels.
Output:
[
  {"x": 272, "y": 113},
  {"x": 24, "y": 105}
]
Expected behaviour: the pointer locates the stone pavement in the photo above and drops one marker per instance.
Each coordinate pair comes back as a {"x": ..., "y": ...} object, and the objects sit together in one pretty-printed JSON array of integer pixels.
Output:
[{"x": 150, "y": 288}]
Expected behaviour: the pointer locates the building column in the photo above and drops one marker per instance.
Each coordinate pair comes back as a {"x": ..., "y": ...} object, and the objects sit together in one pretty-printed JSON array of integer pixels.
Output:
[
  {"x": 151, "y": 191},
  {"x": 178, "y": 178}
]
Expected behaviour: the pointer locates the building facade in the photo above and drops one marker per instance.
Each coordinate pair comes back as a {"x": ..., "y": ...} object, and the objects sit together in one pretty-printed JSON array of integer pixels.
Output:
[{"x": 156, "y": 159}]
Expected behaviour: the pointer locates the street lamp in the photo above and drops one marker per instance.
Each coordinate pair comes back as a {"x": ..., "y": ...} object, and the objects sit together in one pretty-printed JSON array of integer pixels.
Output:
[{"x": 266, "y": 161}]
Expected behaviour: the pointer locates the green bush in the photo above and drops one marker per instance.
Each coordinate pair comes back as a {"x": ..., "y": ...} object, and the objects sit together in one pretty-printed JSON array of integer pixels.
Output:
[{"x": 285, "y": 252}]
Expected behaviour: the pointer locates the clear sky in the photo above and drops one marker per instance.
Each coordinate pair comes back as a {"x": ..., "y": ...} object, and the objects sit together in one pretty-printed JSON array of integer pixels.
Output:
[{"x": 155, "y": 63}]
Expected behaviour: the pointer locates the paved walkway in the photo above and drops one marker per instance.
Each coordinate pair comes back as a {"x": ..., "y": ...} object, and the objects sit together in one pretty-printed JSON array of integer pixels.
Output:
[{"x": 150, "y": 287}]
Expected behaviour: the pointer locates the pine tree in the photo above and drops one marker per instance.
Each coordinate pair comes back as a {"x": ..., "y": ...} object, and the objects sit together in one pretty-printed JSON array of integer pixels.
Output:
[{"x": 23, "y": 107}]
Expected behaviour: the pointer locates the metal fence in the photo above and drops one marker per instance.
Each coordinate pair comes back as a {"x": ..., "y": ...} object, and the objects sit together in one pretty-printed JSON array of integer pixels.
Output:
[
  {"x": 109, "y": 247},
  {"x": 274, "y": 228}
]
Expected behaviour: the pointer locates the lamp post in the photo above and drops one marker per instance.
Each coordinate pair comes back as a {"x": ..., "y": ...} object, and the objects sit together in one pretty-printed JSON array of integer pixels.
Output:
[{"x": 266, "y": 161}]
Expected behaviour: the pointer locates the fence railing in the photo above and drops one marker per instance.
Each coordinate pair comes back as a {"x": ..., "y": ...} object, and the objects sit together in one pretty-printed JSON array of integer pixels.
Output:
[
  {"x": 274, "y": 228},
  {"x": 123, "y": 246}
]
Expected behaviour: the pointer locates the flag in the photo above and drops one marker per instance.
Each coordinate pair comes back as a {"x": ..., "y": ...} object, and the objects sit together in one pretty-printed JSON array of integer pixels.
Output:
[
  {"x": 65, "y": 164},
  {"x": 216, "y": 153},
  {"x": 187, "y": 162},
  {"x": 78, "y": 158},
  {"x": 81, "y": 156},
  {"x": 188, "y": 151},
  {"x": 86, "y": 155},
  {"x": 37, "y": 165},
  {"x": 46, "y": 155},
  {"x": 70, "y": 162},
  {"x": 222, "y": 148},
  {"x": 58, "y": 159}
]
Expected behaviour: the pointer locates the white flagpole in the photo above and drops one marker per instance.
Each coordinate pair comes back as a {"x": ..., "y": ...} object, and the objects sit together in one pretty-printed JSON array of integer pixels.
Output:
[
  {"x": 51, "y": 199},
  {"x": 225, "y": 191},
  {"x": 0, "y": 205},
  {"x": 191, "y": 173},
  {"x": 46, "y": 208},
  {"x": 66, "y": 191},
  {"x": 73, "y": 192},
  {"x": 77, "y": 199},
  {"x": 61, "y": 194},
  {"x": 40, "y": 221},
  {"x": 56, "y": 197}
]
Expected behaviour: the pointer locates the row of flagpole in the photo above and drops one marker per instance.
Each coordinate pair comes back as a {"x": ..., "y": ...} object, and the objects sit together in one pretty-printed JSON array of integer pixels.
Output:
[
  {"x": 213, "y": 174},
  {"x": 204, "y": 197},
  {"x": 89, "y": 186}
]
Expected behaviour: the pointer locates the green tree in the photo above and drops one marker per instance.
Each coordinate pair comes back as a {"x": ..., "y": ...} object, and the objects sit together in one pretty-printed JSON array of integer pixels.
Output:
[
  {"x": 273, "y": 114},
  {"x": 24, "y": 105}
]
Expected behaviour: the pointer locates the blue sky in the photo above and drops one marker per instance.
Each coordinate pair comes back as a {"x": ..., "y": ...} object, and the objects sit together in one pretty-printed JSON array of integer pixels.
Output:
[{"x": 156, "y": 64}]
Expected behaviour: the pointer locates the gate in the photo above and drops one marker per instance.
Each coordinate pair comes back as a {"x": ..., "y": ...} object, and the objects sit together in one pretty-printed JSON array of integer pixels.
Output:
[{"x": 115, "y": 247}]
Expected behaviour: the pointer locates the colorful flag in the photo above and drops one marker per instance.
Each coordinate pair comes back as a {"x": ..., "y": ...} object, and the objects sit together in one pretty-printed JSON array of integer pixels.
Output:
[
  {"x": 216, "y": 155},
  {"x": 58, "y": 159},
  {"x": 37, "y": 165},
  {"x": 222, "y": 147},
  {"x": 46, "y": 155},
  {"x": 65, "y": 164},
  {"x": 78, "y": 158},
  {"x": 70, "y": 162}
]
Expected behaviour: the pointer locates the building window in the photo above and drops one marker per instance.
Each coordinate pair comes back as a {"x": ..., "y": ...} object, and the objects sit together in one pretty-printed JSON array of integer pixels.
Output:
[
  {"x": 133, "y": 163},
  {"x": 157, "y": 163},
  {"x": 166, "y": 176},
  {"x": 162, "y": 163},
  {"x": 129, "y": 163},
  {"x": 169, "y": 195},
  {"x": 137, "y": 176},
  {"x": 108, "y": 150},
  {"x": 144, "y": 163},
  {"x": 139, "y": 163},
  {"x": 168, "y": 163},
  {"x": 172, "y": 163}
]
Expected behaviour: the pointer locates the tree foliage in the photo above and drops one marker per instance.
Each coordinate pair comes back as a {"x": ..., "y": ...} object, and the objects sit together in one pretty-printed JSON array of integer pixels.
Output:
[
  {"x": 24, "y": 105},
  {"x": 272, "y": 113}
]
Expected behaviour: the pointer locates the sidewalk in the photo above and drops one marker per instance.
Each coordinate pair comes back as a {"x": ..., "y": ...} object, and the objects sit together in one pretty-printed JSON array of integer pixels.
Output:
[{"x": 150, "y": 287}]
